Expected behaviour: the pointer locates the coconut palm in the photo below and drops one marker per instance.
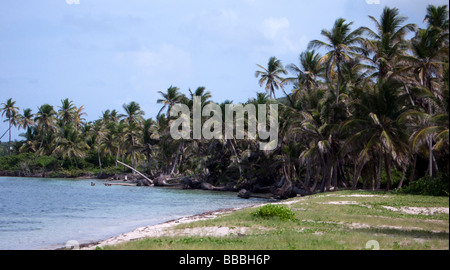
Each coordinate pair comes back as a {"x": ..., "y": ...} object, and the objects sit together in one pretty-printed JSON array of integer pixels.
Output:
[
  {"x": 271, "y": 76},
  {"x": 377, "y": 128},
  {"x": 387, "y": 42},
  {"x": 133, "y": 118},
  {"x": 9, "y": 110},
  {"x": 46, "y": 123},
  {"x": 437, "y": 17},
  {"x": 342, "y": 44},
  {"x": 71, "y": 144},
  {"x": 78, "y": 113},
  {"x": 309, "y": 71},
  {"x": 170, "y": 98},
  {"x": 66, "y": 111},
  {"x": 98, "y": 132},
  {"x": 26, "y": 119}
]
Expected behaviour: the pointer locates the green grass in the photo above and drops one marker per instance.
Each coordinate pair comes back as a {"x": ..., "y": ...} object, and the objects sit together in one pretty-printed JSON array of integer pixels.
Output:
[{"x": 316, "y": 224}]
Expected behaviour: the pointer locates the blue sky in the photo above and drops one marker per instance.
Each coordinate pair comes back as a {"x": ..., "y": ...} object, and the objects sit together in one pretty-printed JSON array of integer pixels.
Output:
[{"x": 104, "y": 53}]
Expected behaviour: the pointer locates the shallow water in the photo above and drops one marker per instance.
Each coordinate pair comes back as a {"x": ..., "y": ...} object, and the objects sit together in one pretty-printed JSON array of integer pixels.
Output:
[{"x": 40, "y": 213}]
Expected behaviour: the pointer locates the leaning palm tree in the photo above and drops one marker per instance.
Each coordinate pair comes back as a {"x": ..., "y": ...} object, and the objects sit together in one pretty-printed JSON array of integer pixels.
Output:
[
  {"x": 342, "y": 44},
  {"x": 170, "y": 98},
  {"x": 271, "y": 76},
  {"x": 9, "y": 109}
]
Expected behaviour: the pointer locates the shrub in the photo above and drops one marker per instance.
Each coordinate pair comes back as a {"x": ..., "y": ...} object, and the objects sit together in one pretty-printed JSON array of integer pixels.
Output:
[
  {"x": 436, "y": 186},
  {"x": 271, "y": 210}
]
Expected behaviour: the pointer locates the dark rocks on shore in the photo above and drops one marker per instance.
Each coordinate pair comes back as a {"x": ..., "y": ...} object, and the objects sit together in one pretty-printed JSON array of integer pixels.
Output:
[{"x": 243, "y": 193}]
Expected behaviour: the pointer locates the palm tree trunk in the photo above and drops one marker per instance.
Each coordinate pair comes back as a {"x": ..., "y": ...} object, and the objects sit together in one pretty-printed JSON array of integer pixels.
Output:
[
  {"x": 99, "y": 159},
  {"x": 9, "y": 144},
  {"x": 413, "y": 169},
  {"x": 380, "y": 163},
  {"x": 387, "y": 166},
  {"x": 338, "y": 81},
  {"x": 175, "y": 163},
  {"x": 403, "y": 178},
  {"x": 117, "y": 154}
]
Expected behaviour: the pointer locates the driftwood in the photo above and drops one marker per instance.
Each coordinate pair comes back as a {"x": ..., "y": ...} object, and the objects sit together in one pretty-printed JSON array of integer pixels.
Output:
[
  {"x": 148, "y": 180},
  {"x": 163, "y": 181}
]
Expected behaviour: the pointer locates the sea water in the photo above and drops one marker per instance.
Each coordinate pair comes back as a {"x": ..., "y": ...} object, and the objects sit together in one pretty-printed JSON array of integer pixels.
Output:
[{"x": 40, "y": 213}]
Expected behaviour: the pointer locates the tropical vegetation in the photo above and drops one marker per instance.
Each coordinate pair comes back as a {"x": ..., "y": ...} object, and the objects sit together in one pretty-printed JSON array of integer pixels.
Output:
[{"x": 368, "y": 108}]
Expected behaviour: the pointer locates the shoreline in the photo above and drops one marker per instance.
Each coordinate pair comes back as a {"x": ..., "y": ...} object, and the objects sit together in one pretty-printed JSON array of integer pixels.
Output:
[{"x": 158, "y": 230}]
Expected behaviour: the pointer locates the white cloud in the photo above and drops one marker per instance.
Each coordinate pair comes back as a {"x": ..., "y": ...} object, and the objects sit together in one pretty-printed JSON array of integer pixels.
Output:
[
  {"x": 166, "y": 59},
  {"x": 272, "y": 28},
  {"x": 281, "y": 37},
  {"x": 149, "y": 70}
]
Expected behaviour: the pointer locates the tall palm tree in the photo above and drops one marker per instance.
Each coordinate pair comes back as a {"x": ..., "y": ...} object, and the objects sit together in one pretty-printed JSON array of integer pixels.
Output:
[
  {"x": 170, "y": 98},
  {"x": 341, "y": 44},
  {"x": 26, "y": 119},
  {"x": 98, "y": 132},
  {"x": 66, "y": 111},
  {"x": 46, "y": 122},
  {"x": 376, "y": 127},
  {"x": 149, "y": 139},
  {"x": 271, "y": 76},
  {"x": 78, "y": 113},
  {"x": 387, "y": 42},
  {"x": 9, "y": 109},
  {"x": 72, "y": 145},
  {"x": 437, "y": 17},
  {"x": 133, "y": 118},
  {"x": 309, "y": 71}
]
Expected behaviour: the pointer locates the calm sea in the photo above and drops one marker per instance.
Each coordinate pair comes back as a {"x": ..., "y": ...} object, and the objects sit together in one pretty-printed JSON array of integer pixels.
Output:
[{"x": 39, "y": 213}]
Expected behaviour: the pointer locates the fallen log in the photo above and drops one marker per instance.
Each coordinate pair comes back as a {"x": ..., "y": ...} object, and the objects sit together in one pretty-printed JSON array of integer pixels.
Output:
[{"x": 149, "y": 181}]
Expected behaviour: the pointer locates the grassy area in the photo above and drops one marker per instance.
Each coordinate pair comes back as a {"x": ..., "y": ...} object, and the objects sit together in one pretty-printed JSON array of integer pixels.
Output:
[{"x": 333, "y": 221}]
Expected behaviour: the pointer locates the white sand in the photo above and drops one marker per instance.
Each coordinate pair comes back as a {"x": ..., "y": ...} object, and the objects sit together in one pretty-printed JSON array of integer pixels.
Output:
[{"x": 168, "y": 229}]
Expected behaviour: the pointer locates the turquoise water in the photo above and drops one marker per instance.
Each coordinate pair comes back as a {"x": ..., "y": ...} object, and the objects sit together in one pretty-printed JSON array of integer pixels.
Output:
[{"x": 39, "y": 213}]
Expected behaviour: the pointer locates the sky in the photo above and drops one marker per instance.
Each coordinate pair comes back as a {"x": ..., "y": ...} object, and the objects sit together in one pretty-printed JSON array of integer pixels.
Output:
[{"x": 104, "y": 53}]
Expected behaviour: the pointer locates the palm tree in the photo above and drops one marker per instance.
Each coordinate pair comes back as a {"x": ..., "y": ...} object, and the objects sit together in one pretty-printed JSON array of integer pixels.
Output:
[
  {"x": 46, "y": 122},
  {"x": 9, "y": 109},
  {"x": 170, "y": 98},
  {"x": 26, "y": 119},
  {"x": 66, "y": 111},
  {"x": 387, "y": 42},
  {"x": 437, "y": 17},
  {"x": 149, "y": 139},
  {"x": 72, "y": 145},
  {"x": 376, "y": 128},
  {"x": 342, "y": 44},
  {"x": 271, "y": 76},
  {"x": 307, "y": 74},
  {"x": 78, "y": 116},
  {"x": 98, "y": 132},
  {"x": 133, "y": 118}
]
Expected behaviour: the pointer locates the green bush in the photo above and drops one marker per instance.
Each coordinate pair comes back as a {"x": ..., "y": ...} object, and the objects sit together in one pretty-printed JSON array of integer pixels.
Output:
[
  {"x": 271, "y": 210},
  {"x": 436, "y": 186}
]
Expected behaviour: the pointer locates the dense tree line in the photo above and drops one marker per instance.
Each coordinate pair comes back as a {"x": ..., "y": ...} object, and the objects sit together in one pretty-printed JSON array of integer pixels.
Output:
[{"x": 371, "y": 111}]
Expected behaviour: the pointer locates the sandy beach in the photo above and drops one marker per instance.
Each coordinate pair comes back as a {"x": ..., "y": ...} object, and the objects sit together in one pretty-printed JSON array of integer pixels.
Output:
[{"x": 167, "y": 229}]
